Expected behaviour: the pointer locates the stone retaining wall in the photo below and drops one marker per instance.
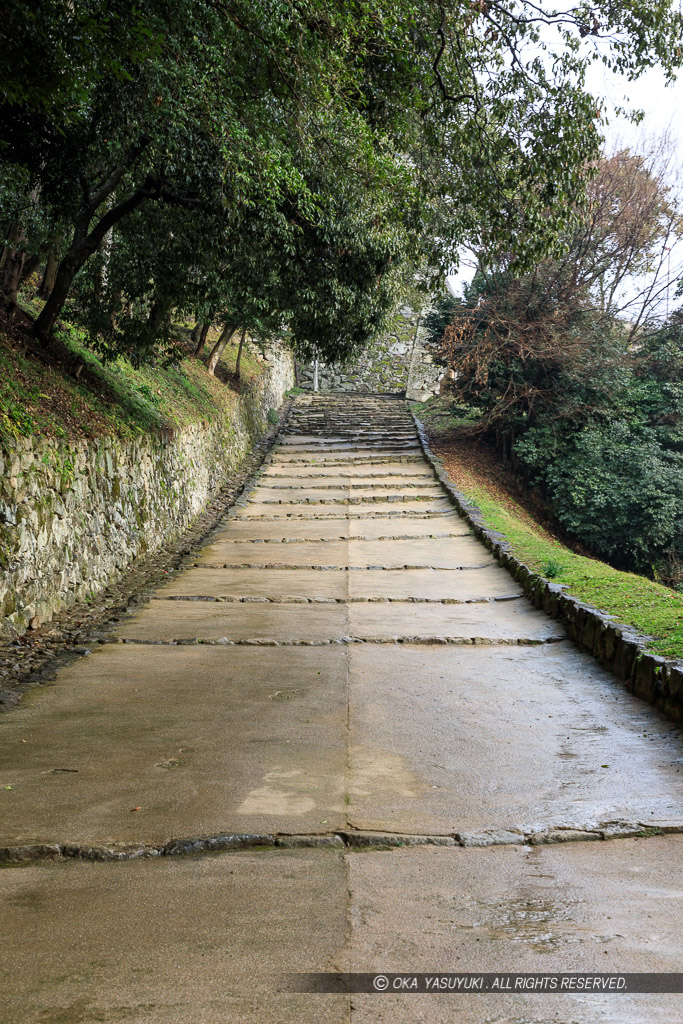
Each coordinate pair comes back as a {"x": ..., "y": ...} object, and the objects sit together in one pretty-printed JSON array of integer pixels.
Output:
[
  {"x": 424, "y": 375},
  {"x": 618, "y": 648},
  {"x": 395, "y": 363},
  {"x": 74, "y": 515}
]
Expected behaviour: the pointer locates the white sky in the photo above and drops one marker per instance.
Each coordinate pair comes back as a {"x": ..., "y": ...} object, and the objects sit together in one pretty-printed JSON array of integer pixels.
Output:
[{"x": 663, "y": 107}]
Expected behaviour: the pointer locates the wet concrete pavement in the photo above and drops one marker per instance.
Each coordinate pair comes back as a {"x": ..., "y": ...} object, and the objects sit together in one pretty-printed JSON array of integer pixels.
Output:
[{"x": 344, "y": 668}]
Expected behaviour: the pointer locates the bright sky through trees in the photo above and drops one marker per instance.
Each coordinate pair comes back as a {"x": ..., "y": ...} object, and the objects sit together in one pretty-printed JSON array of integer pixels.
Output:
[{"x": 662, "y": 105}]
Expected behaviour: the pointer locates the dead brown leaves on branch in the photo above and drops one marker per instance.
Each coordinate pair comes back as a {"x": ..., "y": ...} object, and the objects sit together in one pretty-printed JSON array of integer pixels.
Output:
[
  {"x": 508, "y": 360},
  {"x": 546, "y": 341}
]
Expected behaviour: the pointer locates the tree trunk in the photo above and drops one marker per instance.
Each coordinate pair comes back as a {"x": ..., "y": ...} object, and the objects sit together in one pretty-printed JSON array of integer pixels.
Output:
[
  {"x": 239, "y": 353},
  {"x": 12, "y": 268},
  {"x": 201, "y": 340},
  {"x": 83, "y": 245},
  {"x": 49, "y": 274},
  {"x": 12, "y": 280},
  {"x": 66, "y": 272},
  {"x": 217, "y": 350},
  {"x": 157, "y": 315}
]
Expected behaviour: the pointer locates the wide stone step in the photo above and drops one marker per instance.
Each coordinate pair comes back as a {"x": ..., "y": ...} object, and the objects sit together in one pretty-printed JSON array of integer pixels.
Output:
[
  {"x": 268, "y": 497},
  {"x": 205, "y": 740},
  {"x": 410, "y": 585},
  {"x": 436, "y": 506},
  {"x": 349, "y": 458},
  {"x": 449, "y": 553},
  {"x": 346, "y": 484},
  {"x": 408, "y": 471},
  {"x": 510, "y": 622}
]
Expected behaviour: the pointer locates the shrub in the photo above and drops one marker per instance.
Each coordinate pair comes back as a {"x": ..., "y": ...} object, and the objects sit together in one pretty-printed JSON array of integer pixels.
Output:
[
  {"x": 613, "y": 486},
  {"x": 551, "y": 568}
]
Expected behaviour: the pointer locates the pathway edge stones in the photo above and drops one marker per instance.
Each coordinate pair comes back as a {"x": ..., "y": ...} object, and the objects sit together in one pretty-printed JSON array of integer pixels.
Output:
[
  {"x": 348, "y": 839},
  {"x": 621, "y": 650}
]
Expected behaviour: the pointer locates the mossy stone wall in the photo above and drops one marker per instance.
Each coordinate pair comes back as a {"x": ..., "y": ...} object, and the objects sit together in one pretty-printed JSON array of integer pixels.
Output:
[
  {"x": 74, "y": 515},
  {"x": 398, "y": 362},
  {"x": 382, "y": 368}
]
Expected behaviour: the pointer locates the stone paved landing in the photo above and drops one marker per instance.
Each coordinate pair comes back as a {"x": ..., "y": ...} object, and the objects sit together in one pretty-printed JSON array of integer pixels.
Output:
[
  {"x": 213, "y": 939},
  {"x": 344, "y": 666}
]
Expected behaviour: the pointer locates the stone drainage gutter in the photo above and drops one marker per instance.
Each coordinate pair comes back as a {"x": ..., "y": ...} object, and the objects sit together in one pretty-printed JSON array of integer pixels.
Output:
[{"x": 618, "y": 648}]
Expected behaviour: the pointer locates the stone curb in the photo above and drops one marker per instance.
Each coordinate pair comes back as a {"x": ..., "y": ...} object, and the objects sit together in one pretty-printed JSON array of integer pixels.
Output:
[
  {"x": 621, "y": 650},
  {"x": 411, "y": 641},
  {"x": 342, "y": 839}
]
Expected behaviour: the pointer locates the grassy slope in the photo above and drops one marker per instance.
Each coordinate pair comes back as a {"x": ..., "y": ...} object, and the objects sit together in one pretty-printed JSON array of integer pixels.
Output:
[
  {"x": 648, "y": 607},
  {"x": 49, "y": 399}
]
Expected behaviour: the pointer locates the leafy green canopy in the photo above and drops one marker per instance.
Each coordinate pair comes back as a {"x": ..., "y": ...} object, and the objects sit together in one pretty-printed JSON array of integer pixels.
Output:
[
  {"x": 54, "y": 52},
  {"x": 305, "y": 151}
]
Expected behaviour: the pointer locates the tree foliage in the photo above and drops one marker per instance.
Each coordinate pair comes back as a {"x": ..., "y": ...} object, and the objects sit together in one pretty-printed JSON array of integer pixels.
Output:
[
  {"x": 276, "y": 165},
  {"x": 582, "y": 401}
]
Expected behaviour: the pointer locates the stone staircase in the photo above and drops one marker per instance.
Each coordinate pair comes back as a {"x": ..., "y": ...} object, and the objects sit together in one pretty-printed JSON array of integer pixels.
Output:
[{"x": 372, "y": 421}]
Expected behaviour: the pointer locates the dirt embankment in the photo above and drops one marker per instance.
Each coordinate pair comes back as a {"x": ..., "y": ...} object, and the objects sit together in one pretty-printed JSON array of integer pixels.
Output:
[{"x": 474, "y": 465}]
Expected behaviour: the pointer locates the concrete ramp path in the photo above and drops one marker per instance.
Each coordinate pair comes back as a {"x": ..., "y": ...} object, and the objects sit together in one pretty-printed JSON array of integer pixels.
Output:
[{"x": 341, "y": 741}]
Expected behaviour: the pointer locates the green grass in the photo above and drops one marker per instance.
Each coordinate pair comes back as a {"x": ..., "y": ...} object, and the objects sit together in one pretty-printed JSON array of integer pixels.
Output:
[
  {"x": 647, "y": 607},
  {"x": 109, "y": 399}
]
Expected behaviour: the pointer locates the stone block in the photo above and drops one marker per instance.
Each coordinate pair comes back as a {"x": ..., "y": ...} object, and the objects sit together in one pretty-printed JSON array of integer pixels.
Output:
[
  {"x": 674, "y": 684},
  {"x": 645, "y": 678},
  {"x": 610, "y": 643},
  {"x": 627, "y": 651}
]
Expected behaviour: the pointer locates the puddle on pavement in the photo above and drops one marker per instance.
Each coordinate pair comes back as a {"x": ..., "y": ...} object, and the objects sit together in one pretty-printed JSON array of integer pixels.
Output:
[
  {"x": 530, "y": 919},
  {"x": 537, "y": 916}
]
